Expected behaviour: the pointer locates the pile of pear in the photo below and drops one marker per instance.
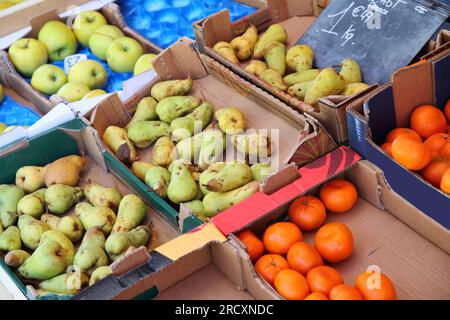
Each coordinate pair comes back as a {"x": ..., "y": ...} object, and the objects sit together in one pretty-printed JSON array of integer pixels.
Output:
[
  {"x": 86, "y": 79},
  {"x": 60, "y": 237},
  {"x": 185, "y": 139},
  {"x": 291, "y": 69}
]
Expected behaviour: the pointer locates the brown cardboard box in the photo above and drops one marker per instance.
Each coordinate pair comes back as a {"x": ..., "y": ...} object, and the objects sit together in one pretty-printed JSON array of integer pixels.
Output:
[{"x": 35, "y": 17}]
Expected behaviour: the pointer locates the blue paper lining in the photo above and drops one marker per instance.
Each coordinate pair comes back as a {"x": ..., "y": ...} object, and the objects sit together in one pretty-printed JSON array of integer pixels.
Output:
[{"x": 13, "y": 113}]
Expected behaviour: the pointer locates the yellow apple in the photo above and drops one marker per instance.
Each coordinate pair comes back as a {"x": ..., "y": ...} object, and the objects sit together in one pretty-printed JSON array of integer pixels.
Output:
[
  {"x": 89, "y": 72},
  {"x": 59, "y": 40},
  {"x": 102, "y": 38},
  {"x": 27, "y": 55},
  {"x": 85, "y": 25},
  {"x": 48, "y": 79},
  {"x": 94, "y": 93},
  {"x": 2, "y": 94},
  {"x": 73, "y": 91},
  {"x": 144, "y": 63},
  {"x": 123, "y": 53}
]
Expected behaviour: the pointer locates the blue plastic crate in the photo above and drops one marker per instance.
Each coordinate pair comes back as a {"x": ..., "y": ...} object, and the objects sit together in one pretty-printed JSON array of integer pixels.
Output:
[{"x": 13, "y": 113}]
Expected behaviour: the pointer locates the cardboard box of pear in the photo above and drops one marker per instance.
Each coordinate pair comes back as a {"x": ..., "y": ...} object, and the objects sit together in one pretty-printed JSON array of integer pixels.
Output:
[{"x": 114, "y": 51}]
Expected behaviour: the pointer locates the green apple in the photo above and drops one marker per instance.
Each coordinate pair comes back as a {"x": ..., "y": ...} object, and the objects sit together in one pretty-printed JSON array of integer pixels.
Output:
[
  {"x": 94, "y": 93},
  {"x": 102, "y": 38},
  {"x": 27, "y": 55},
  {"x": 73, "y": 91},
  {"x": 123, "y": 53},
  {"x": 85, "y": 24},
  {"x": 144, "y": 63},
  {"x": 2, "y": 94},
  {"x": 48, "y": 79},
  {"x": 89, "y": 72},
  {"x": 59, "y": 40}
]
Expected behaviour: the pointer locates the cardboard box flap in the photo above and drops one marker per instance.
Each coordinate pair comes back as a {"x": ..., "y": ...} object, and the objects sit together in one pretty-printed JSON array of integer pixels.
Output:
[
  {"x": 130, "y": 261},
  {"x": 217, "y": 27},
  {"x": 281, "y": 9},
  {"x": 109, "y": 111},
  {"x": 441, "y": 77}
]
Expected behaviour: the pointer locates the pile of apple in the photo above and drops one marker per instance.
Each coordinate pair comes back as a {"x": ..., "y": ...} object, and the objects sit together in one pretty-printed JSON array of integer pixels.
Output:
[{"x": 86, "y": 79}]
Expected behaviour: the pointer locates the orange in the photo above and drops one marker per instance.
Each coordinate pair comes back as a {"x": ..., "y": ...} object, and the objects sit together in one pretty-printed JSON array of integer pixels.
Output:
[
  {"x": 316, "y": 296},
  {"x": 255, "y": 247},
  {"x": 447, "y": 110},
  {"x": 338, "y": 195},
  {"x": 435, "y": 170},
  {"x": 307, "y": 212},
  {"x": 291, "y": 285},
  {"x": 394, "y": 134},
  {"x": 445, "y": 181},
  {"x": 322, "y": 279},
  {"x": 280, "y": 236},
  {"x": 375, "y": 286},
  {"x": 438, "y": 143},
  {"x": 387, "y": 148},
  {"x": 334, "y": 242},
  {"x": 412, "y": 154},
  {"x": 345, "y": 292},
  {"x": 269, "y": 265},
  {"x": 302, "y": 257},
  {"x": 427, "y": 120}
]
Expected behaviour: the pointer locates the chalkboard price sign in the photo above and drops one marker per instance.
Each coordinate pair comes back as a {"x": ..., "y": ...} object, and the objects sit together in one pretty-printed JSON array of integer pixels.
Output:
[{"x": 382, "y": 35}]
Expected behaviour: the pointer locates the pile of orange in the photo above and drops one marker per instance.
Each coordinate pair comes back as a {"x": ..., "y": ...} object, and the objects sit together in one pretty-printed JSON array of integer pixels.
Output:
[
  {"x": 295, "y": 268},
  {"x": 425, "y": 146}
]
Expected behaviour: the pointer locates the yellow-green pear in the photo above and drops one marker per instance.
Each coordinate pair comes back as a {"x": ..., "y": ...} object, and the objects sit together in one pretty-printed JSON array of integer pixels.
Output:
[
  {"x": 91, "y": 253},
  {"x": 232, "y": 176},
  {"x": 194, "y": 122},
  {"x": 32, "y": 204},
  {"x": 140, "y": 168},
  {"x": 92, "y": 217},
  {"x": 353, "y": 88},
  {"x": 209, "y": 174},
  {"x": 31, "y": 231},
  {"x": 231, "y": 120},
  {"x": 301, "y": 76},
  {"x": 256, "y": 67},
  {"x": 119, "y": 242},
  {"x": 158, "y": 178},
  {"x": 131, "y": 213},
  {"x": 67, "y": 248},
  {"x": 261, "y": 171},
  {"x": 99, "y": 195},
  {"x": 66, "y": 284},
  {"x": 163, "y": 152},
  {"x": 226, "y": 50},
  {"x": 254, "y": 145},
  {"x": 144, "y": 133},
  {"x": 300, "y": 57},
  {"x": 196, "y": 206},
  {"x": 31, "y": 178},
  {"x": 275, "y": 79},
  {"x": 10, "y": 196},
  {"x": 275, "y": 56},
  {"x": 243, "y": 45},
  {"x": 116, "y": 139},
  {"x": 145, "y": 110},
  {"x": 189, "y": 149},
  {"x": 171, "y": 88},
  {"x": 350, "y": 71},
  {"x": 182, "y": 186},
  {"x": 299, "y": 90},
  {"x": 10, "y": 239},
  {"x": 69, "y": 225},
  {"x": 65, "y": 171},
  {"x": 99, "y": 274},
  {"x": 170, "y": 108},
  {"x": 211, "y": 150},
  {"x": 327, "y": 83},
  {"x": 275, "y": 32},
  {"x": 60, "y": 198},
  {"x": 16, "y": 258}
]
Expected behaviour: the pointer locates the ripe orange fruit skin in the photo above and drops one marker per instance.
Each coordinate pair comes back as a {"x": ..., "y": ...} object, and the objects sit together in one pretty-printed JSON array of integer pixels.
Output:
[
  {"x": 255, "y": 247},
  {"x": 366, "y": 284},
  {"x": 269, "y": 265},
  {"x": 345, "y": 292},
  {"x": 387, "y": 146},
  {"x": 445, "y": 182},
  {"x": 322, "y": 279},
  {"x": 316, "y": 296},
  {"x": 338, "y": 195},
  {"x": 412, "y": 154},
  {"x": 438, "y": 144},
  {"x": 394, "y": 134},
  {"x": 435, "y": 170},
  {"x": 447, "y": 110},
  {"x": 427, "y": 120},
  {"x": 280, "y": 236},
  {"x": 302, "y": 257},
  {"x": 291, "y": 285},
  {"x": 307, "y": 212},
  {"x": 334, "y": 242}
]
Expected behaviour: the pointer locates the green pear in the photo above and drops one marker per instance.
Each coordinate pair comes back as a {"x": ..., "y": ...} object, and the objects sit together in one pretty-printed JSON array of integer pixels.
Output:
[
  {"x": 216, "y": 202},
  {"x": 211, "y": 150},
  {"x": 70, "y": 226},
  {"x": 61, "y": 198},
  {"x": 158, "y": 178},
  {"x": 10, "y": 196},
  {"x": 46, "y": 262},
  {"x": 231, "y": 120},
  {"x": 196, "y": 206},
  {"x": 32, "y": 204},
  {"x": 177, "y": 162},
  {"x": 91, "y": 217},
  {"x": 275, "y": 32},
  {"x": 256, "y": 67},
  {"x": 300, "y": 57},
  {"x": 10, "y": 239},
  {"x": 99, "y": 274},
  {"x": 31, "y": 231},
  {"x": 301, "y": 76},
  {"x": 118, "y": 243},
  {"x": 254, "y": 145},
  {"x": 226, "y": 50},
  {"x": 275, "y": 56},
  {"x": 350, "y": 71},
  {"x": 299, "y": 90},
  {"x": 140, "y": 168},
  {"x": 16, "y": 258},
  {"x": 163, "y": 152},
  {"x": 91, "y": 253},
  {"x": 189, "y": 149},
  {"x": 131, "y": 213},
  {"x": 99, "y": 195},
  {"x": 182, "y": 186},
  {"x": 232, "y": 176},
  {"x": 196, "y": 121},
  {"x": 209, "y": 174},
  {"x": 67, "y": 248},
  {"x": 243, "y": 45},
  {"x": 261, "y": 170},
  {"x": 354, "y": 88},
  {"x": 145, "y": 110},
  {"x": 170, "y": 108},
  {"x": 327, "y": 83},
  {"x": 66, "y": 284},
  {"x": 144, "y": 133},
  {"x": 31, "y": 178},
  {"x": 171, "y": 88},
  {"x": 275, "y": 79},
  {"x": 116, "y": 139}
]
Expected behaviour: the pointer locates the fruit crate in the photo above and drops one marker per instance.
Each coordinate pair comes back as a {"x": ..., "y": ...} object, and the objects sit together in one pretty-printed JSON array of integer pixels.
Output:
[
  {"x": 426, "y": 82},
  {"x": 79, "y": 140},
  {"x": 221, "y": 267},
  {"x": 37, "y": 16}
]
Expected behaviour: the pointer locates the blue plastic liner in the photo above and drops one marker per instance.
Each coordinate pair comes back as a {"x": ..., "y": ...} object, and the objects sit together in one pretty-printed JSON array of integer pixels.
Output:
[
  {"x": 164, "y": 21},
  {"x": 13, "y": 113}
]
